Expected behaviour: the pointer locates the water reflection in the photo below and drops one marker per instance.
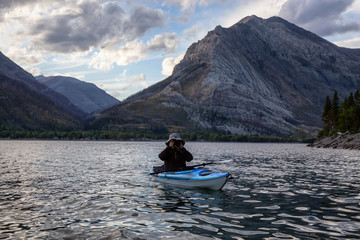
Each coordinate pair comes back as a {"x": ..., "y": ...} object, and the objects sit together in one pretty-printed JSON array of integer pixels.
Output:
[{"x": 95, "y": 190}]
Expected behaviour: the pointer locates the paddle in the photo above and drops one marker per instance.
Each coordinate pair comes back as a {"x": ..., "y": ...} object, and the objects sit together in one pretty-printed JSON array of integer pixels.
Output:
[{"x": 181, "y": 169}]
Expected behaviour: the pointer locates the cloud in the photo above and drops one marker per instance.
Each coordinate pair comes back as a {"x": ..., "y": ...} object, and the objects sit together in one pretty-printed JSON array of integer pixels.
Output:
[
  {"x": 136, "y": 78},
  {"x": 124, "y": 86},
  {"x": 134, "y": 51},
  {"x": 192, "y": 32},
  {"x": 81, "y": 25},
  {"x": 101, "y": 29},
  {"x": 324, "y": 17},
  {"x": 130, "y": 52},
  {"x": 6, "y": 5},
  {"x": 143, "y": 18},
  {"x": 350, "y": 43},
  {"x": 166, "y": 41},
  {"x": 21, "y": 55},
  {"x": 239, "y": 9},
  {"x": 189, "y": 4},
  {"x": 168, "y": 64},
  {"x": 133, "y": 83},
  {"x": 35, "y": 71}
]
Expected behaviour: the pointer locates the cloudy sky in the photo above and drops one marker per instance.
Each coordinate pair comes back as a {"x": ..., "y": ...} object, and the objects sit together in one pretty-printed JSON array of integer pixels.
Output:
[{"x": 124, "y": 46}]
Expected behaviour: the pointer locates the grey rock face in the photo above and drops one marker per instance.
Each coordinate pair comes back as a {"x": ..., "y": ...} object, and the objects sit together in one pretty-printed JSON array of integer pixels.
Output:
[
  {"x": 260, "y": 76},
  {"x": 263, "y": 77},
  {"x": 341, "y": 140}
]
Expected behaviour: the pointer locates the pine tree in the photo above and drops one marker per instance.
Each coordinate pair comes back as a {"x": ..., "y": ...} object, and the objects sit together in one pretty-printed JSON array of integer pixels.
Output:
[
  {"x": 335, "y": 111},
  {"x": 351, "y": 111},
  {"x": 357, "y": 97},
  {"x": 326, "y": 117},
  {"x": 357, "y": 111},
  {"x": 327, "y": 108},
  {"x": 344, "y": 120}
]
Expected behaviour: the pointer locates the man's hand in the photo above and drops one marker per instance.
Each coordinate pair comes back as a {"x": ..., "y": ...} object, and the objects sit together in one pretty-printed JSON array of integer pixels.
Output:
[
  {"x": 179, "y": 147},
  {"x": 172, "y": 145}
]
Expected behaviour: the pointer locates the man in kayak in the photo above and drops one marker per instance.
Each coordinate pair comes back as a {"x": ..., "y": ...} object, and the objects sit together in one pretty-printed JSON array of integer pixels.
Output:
[{"x": 175, "y": 155}]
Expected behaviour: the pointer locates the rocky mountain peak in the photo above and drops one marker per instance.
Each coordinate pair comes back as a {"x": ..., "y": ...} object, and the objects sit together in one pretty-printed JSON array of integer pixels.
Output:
[
  {"x": 250, "y": 19},
  {"x": 259, "y": 76}
]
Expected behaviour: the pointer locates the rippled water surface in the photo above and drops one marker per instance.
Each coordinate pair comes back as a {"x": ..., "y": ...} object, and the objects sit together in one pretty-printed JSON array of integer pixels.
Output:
[{"x": 102, "y": 190}]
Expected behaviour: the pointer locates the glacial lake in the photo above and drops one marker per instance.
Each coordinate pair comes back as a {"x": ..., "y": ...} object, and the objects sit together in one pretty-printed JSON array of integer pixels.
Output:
[{"x": 102, "y": 190}]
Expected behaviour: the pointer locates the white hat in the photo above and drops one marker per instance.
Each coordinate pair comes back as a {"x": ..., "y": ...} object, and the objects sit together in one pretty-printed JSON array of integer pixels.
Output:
[{"x": 176, "y": 137}]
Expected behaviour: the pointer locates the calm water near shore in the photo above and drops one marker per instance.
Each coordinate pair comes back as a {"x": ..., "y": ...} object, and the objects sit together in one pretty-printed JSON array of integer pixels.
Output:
[{"x": 102, "y": 190}]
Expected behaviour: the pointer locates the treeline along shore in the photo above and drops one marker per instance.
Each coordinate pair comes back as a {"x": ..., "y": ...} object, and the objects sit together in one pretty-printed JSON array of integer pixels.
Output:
[
  {"x": 341, "y": 123},
  {"x": 142, "y": 135}
]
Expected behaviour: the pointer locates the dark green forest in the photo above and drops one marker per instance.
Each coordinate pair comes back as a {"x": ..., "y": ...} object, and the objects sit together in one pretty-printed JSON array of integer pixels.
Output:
[
  {"x": 341, "y": 117},
  {"x": 140, "y": 135}
]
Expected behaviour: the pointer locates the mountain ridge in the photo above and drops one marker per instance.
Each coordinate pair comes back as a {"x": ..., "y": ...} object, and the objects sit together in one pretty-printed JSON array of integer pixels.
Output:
[
  {"x": 13, "y": 71},
  {"x": 259, "y": 76},
  {"x": 26, "y": 104},
  {"x": 86, "y": 96},
  {"x": 23, "y": 108}
]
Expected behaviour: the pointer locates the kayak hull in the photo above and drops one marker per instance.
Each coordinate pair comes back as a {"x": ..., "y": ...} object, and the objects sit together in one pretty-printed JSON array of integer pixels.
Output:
[{"x": 195, "y": 178}]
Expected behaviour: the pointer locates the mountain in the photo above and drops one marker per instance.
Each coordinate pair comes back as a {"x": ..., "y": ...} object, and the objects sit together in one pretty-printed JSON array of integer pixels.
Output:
[
  {"x": 260, "y": 76},
  {"x": 12, "y": 71},
  {"x": 24, "y": 108},
  {"x": 86, "y": 96},
  {"x": 27, "y": 104}
]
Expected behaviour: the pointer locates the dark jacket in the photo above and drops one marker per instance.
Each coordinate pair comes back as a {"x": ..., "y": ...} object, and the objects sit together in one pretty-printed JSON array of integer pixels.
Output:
[{"x": 174, "y": 159}]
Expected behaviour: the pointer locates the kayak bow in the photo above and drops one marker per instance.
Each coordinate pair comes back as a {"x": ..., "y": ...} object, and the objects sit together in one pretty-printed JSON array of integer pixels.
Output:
[{"x": 194, "y": 178}]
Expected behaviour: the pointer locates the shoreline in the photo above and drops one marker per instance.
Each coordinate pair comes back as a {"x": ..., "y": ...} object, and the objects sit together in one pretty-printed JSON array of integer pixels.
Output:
[
  {"x": 145, "y": 136},
  {"x": 339, "y": 141}
]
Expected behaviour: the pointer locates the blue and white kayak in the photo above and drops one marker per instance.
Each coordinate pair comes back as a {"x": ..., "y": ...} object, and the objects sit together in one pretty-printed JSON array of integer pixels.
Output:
[{"x": 195, "y": 178}]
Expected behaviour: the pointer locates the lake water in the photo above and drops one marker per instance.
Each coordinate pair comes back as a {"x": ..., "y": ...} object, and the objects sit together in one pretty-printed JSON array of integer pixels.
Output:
[{"x": 102, "y": 190}]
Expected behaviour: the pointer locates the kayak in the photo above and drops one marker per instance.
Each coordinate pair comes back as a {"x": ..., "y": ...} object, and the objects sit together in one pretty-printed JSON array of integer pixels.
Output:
[{"x": 194, "y": 178}]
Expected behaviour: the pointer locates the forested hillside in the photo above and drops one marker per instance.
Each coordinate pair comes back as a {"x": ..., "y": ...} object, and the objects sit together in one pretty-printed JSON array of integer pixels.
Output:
[
  {"x": 341, "y": 117},
  {"x": 23, "y": 108}
]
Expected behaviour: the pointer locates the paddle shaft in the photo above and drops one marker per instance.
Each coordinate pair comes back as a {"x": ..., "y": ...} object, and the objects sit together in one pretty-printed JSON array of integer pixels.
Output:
[{"x": 198, "y": 165}]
